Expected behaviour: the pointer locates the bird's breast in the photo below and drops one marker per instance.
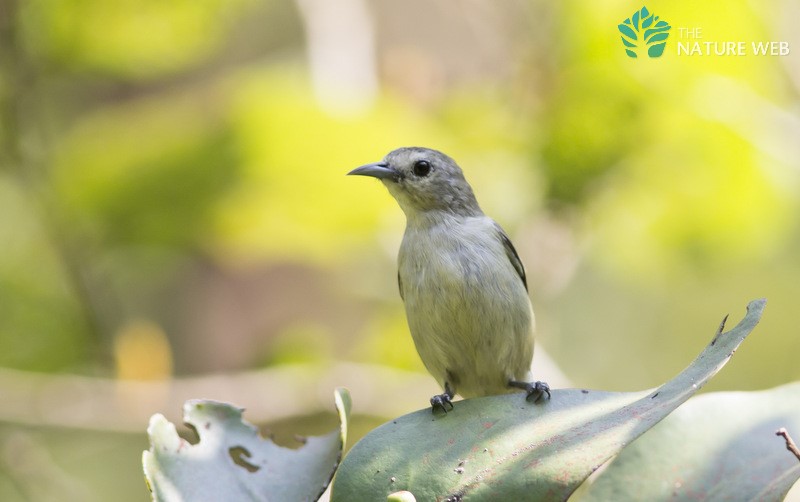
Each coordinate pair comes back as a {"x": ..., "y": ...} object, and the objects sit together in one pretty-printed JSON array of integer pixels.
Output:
[{"x": 458, "y": 271}]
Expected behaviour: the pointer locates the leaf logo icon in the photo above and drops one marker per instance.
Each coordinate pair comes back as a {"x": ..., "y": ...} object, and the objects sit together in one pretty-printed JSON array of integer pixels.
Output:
[{"x": 644, "y": 29}]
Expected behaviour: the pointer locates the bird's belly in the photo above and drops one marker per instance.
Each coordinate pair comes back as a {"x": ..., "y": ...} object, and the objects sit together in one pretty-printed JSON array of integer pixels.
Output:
[{"x": 472, "y": 330}]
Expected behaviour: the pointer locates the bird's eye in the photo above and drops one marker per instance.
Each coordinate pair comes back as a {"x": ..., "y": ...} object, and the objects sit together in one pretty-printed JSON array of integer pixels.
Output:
[{"x": 422, "y": 168}]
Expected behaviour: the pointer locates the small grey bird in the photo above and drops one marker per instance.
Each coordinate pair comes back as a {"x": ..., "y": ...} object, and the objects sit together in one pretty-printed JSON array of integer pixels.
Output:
[{"x": 462, "y": 282}]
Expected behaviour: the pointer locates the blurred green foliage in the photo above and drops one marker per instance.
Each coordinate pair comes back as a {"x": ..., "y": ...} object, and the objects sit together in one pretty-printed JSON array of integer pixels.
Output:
[
  {"x": 152, "y": 184},
  {"x": 170, "y": 161},
  {"x": 129, "y": 39}
]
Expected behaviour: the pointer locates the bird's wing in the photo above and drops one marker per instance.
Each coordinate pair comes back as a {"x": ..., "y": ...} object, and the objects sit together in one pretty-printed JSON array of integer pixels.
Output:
[
  {"x": 400, "y": 285},
  {"x": 512, "y": 255}
]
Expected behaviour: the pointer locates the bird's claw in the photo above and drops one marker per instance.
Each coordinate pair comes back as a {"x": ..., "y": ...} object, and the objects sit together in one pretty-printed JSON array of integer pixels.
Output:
[
  {"x": 441, "y": 401},
  {"x": 539, "y": 389}
]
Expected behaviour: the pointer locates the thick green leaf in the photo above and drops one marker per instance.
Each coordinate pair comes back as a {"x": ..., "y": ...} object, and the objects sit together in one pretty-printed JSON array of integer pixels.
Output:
[
  {"x": 719, "y": 446},
  {"x": 176, "y": 470},
  {"x": 504, "y": 448}
]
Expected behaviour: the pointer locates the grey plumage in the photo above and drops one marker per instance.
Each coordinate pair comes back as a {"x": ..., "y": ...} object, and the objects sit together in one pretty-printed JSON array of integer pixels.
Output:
[{"x": 461, "y": 280}]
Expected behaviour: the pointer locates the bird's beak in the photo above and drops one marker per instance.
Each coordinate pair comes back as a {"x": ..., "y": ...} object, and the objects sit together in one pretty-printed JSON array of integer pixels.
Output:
[{"x": 380, "y": 170}]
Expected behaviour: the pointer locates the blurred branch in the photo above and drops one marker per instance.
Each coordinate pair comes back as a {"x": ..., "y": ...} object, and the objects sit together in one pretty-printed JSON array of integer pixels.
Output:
[
  {"x": 268, "y": 395},
  {"x": 24, "y": 151}
]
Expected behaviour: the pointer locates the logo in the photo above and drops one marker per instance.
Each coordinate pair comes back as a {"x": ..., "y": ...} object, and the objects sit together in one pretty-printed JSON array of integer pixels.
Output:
[{"x": 644, "y": 30}]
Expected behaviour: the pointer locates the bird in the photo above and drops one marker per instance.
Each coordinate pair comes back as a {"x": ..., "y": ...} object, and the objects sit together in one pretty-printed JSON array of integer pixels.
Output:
[{"x": 461, "y": 280}]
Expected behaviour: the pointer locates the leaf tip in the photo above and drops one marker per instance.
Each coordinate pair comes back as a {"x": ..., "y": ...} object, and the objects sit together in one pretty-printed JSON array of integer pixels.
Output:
[
  {"x": 344, "y": 404},
  {"x": 752, "y": 316},
  {"x": 757, "y": 306}
]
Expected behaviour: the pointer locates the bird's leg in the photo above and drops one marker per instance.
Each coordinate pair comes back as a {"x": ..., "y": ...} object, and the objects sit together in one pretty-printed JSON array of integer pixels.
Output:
[
  {"x": 442, "y": 400},
  {"x": 539, "y": 389}
]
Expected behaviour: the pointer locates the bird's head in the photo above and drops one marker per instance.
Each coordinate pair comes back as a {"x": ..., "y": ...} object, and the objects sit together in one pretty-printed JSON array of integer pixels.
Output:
[{"x": 423, "y": 180}]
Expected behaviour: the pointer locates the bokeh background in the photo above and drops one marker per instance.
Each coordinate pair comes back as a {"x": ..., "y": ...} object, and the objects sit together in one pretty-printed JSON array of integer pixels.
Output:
[{"x": 175, "y": 219}]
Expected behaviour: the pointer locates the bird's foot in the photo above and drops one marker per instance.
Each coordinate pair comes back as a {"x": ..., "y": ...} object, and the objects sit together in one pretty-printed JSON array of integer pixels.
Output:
[
  {"x": 537, "y": 389},
  {"x": 441, "y": 401}
]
